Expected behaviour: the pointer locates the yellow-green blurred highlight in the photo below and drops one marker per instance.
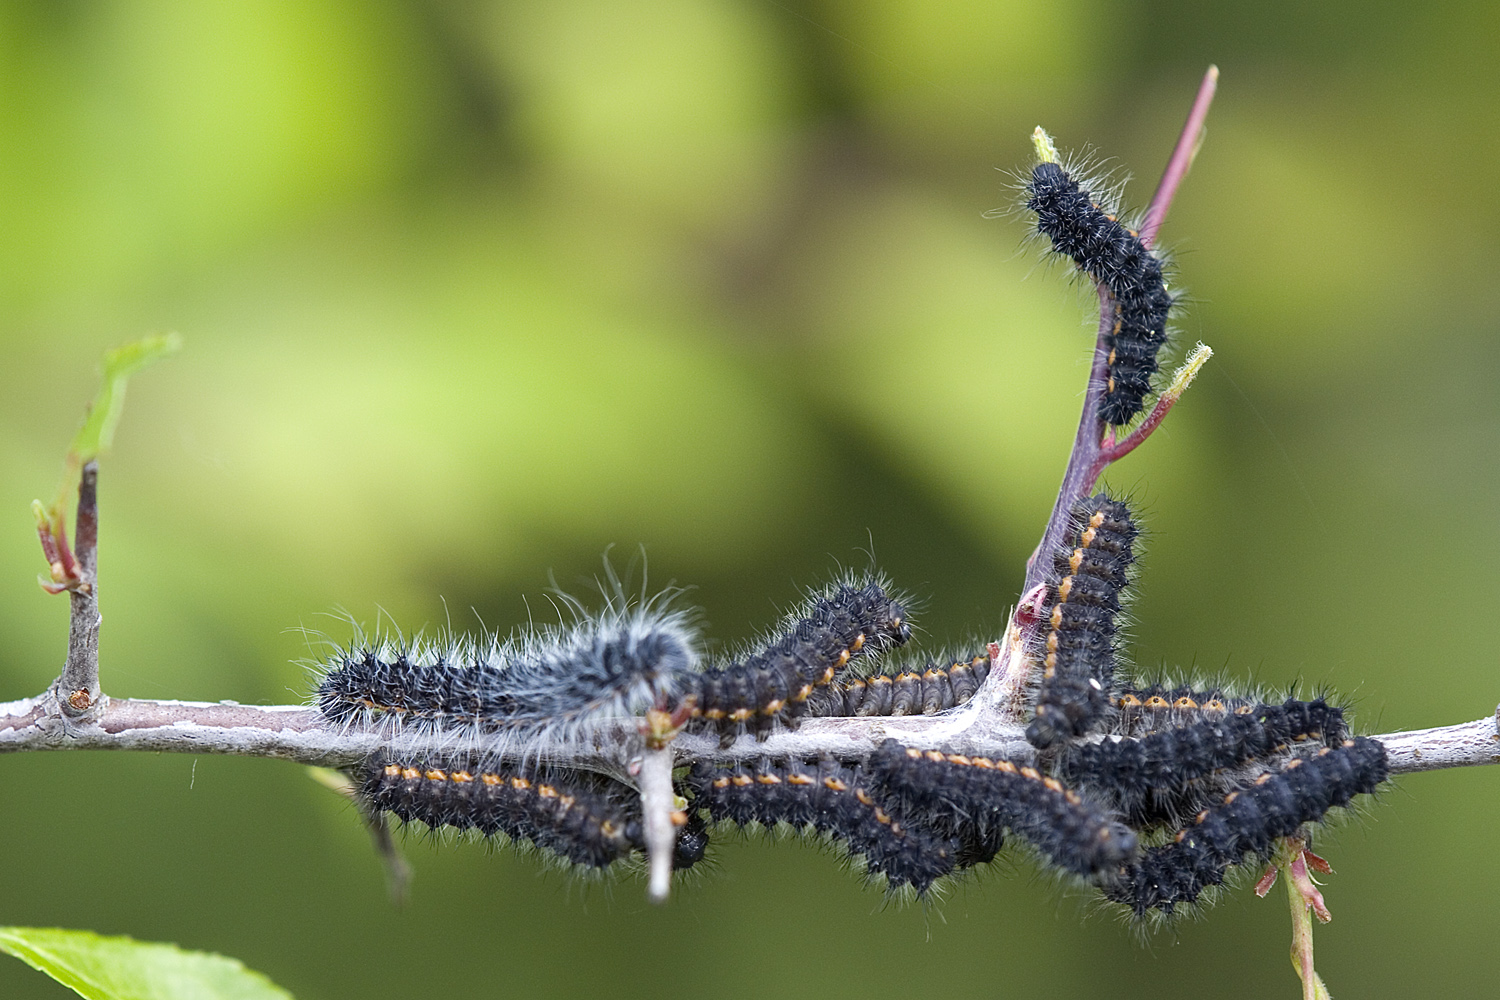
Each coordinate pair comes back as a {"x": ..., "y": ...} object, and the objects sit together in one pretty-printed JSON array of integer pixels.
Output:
[{"x": 473, "y": 292}]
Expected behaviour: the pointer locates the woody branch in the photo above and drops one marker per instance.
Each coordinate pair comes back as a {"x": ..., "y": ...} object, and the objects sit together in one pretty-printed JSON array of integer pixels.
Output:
[{"x": 298, "y": 733}]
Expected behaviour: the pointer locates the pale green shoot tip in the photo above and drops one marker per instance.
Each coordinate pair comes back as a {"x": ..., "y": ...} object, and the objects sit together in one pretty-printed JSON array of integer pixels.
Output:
[
  {"x": 1183, "y": 377},
  {"x": 1045, "y": 150}
]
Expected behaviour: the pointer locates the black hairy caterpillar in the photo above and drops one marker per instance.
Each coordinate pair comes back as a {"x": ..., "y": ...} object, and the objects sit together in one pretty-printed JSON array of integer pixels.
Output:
[
  {"x": 586, "y": 819},
  {"x": 1140, "y": 711},
  {"x": 1248, "y": 822},
  {"x": 617, "y": 664},
  {"x": 1115, "y": 257},
  {"x": 1165, "y": 775},
  {"x": 902, "y": 690},
  {"x": 1078, "y": 646},
  {"x": 831, "y": 799},
  {"x": 977, "y": 799},
  {"x": 775, "y": 681}
]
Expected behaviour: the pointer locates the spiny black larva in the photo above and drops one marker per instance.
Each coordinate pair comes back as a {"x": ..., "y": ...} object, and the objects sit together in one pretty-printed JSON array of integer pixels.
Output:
[
  {"x": 832, "y": 800},
  {"x": 774, "y": 681},
  {"x": 1141, "y": 711},
  {"x": 976, "y": 799},
  {"x": 1115, "y": 257},
  {"x": 586, "y": 819},
  {"x": 616, "y": 664},
  {"x": 925, "y": 687},
  {"x": 1248, "y": 822},
  {"x": 1162, "y": 777},
  {"x": 1077, "y": 645}
]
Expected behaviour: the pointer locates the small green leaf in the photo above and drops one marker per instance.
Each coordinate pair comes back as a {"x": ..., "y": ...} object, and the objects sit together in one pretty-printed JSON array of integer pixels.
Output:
[
  {"x": 119, "y": 968},
  {"x": 98, "y": 430}
]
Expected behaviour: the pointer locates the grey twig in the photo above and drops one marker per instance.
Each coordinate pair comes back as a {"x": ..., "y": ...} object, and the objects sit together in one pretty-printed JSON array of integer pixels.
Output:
[
  {"x": 294, "y": 732},
  {"x": 1465, "y": 745},
  {"x": 77, "y": 687}
]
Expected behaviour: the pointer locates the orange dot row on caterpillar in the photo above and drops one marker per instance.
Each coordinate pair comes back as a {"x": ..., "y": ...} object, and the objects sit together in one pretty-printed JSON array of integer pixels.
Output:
[
  {"x": 774, "y": 706},
  {"x": 1261, "y": 780},
  {"x": 1003, "y": 766},
  {"x": 832, "y": 782},
  {"x": 1156, "y": 702},
  {"x": 517, "y": 782}
]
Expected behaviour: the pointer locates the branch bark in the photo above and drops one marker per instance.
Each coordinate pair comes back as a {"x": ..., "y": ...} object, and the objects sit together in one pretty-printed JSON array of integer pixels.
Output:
[
  {"x": 294, "y": 732},
  {"x": 77, "y": 687}
]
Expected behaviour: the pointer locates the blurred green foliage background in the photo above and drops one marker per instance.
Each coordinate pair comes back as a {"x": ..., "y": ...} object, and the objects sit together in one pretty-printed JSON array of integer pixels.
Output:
[{"x": 472, "y": 291}]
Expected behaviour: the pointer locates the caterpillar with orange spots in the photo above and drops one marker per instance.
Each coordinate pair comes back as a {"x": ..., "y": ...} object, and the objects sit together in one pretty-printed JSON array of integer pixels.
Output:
[
  {"x": 775, "y": 681},
  {"x": 1248, "y": 822},
  {"x": 1162, "y": 776},
  {"x": 587, "y": 819},
  {"x": 1077, "y": 645},
  {"x": 833, "y": 800},
  {"x": 1140, "y": 711},
  {"x": 901, "y": 689},
  {"x": 1115, "y": 257},
  {"x": 616, "y": 664},
  {"x": 978, "y": 799}
]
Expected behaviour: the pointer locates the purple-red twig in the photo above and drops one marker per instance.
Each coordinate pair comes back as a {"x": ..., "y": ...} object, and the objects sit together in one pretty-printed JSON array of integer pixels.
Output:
[{"x": 1182, "y": 158}]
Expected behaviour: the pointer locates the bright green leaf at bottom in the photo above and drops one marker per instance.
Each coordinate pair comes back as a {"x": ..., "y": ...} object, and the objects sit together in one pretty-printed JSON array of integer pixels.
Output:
[{"x": 119, "y": 968}]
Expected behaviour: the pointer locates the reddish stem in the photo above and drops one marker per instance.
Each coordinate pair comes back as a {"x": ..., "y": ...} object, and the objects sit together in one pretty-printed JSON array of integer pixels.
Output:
[
  {"x": 1111, "y": 450},
  {"x": 62, "y": 564},
  {"x": 1182, "y": 158}
]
